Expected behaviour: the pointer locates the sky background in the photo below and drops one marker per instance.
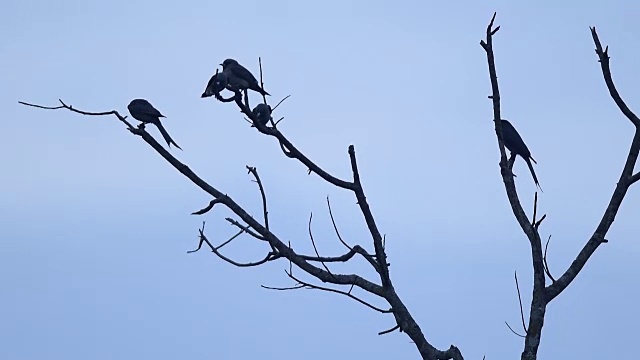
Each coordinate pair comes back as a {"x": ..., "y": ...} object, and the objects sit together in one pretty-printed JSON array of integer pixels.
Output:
[{"x": 95, "y": 225}]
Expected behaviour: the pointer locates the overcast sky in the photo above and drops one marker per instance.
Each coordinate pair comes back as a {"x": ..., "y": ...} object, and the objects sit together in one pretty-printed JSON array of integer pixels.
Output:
[{"x": 95, "y": 225}]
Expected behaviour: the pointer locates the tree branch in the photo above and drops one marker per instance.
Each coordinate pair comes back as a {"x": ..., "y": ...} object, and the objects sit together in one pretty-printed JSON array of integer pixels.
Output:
[
  {"x": 359, "y": 249},
  {"x": 283, "y": 249},
  {"x": 603, "y": 59},
  {"x": 625, "y": 181},
  {"x": 538, "y": 304},
  {"x": 348, "y": 294},
  {"x": 289, "y": 149},
  {"x": 381, "y": 256}
]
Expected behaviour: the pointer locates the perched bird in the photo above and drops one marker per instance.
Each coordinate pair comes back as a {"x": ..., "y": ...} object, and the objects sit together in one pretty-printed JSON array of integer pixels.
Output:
[
  {"x": 516, "y": 145},
  {"x": 240, "y": 78},
  {"x": 263, "y": 113},
  {"x": 217, "y": 83},
  {"x": 143, "y": 111}
]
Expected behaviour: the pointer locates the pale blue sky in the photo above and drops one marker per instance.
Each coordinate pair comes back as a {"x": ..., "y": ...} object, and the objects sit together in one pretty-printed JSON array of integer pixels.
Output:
[{"x": 95, "y": 226}]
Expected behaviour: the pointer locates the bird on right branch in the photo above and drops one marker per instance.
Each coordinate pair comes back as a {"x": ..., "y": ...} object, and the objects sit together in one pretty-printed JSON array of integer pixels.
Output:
[
  {"x": 516, "y": 145},
  {"x": 262, "y": 113}
]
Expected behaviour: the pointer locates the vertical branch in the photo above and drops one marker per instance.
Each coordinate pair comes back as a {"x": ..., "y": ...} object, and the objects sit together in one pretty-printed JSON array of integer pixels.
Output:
[{"x": 538, "y": 303}]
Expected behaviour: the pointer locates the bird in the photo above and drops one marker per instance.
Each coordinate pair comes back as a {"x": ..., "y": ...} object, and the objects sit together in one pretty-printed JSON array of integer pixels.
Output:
[
  {"x": 516, "y": 145},
  {"x": 142, "y": 110},
  {"x": 240, "y": 78},
  {"x": 217, "y": 83},
  {"x": 262, "y": 112}
]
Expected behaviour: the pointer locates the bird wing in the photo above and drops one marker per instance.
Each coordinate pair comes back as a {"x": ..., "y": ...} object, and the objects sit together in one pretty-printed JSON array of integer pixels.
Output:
[
  {"x": 242, "y": 72},
  {"x": 150, "y": 110},
  {"x": 513, "y": 141}
]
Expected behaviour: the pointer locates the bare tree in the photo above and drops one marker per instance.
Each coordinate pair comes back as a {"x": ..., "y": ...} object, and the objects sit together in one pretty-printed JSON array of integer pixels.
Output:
[
  {"x": 382, "y": 289},
  {"x": 543, "y": 294}
]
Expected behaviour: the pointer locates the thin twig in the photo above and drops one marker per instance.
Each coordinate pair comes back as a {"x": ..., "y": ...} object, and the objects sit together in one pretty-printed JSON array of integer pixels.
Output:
[
  {"x": 524, "y": 326},
  {"x": 206, "y": 209},
  {"x": 314, "y": 245},
  {"x": 264, "y": 97},
  {"x": 535, "y": 208},
  {"x": 246, "y": 229},
  {"x": 546, "y": 265},
  {"x": 70, "y": 107},
  {"x": 254, "y": 172},
  {"x": 311, "y": 286},
  {"x": 335, "y": 227},
  {"x": 230, "y": 239},
  {"x": 513, "y": 331},
  {"x": 270, "y": 256},
  {"x": 295, "y": 287},
  {"x": 280, "y": 102},
  {"x": 389, "y": 330}
]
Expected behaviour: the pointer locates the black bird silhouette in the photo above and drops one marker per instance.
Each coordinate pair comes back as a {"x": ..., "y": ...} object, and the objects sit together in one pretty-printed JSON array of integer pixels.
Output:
[
  {"x": 142, "y": 110},
  {"x": 516, "y": 145},
  {"x": 263, "y": 113},
  {"x": 239, "y": 77},
  {"x": 217, "y": 83}
]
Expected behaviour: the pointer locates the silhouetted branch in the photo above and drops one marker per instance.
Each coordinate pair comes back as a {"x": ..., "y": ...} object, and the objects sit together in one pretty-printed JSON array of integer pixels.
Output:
[
  {"x": 348, "y": 294},
  {"x": 524, "y": 326},
  {"x": 360, "y": 250},
  {"x": 280, "y": 249},
  {"x": 254, "y": 172},
  {"x": 634, "y": 178},
  {"x": 381, "y": 256},
  {"x": 603, "y": 59},
  {"x": 245, "y": 229},
  {"x": 325, "y": 259},
  {"x": 295, "y": 287},
  {"x": 538, "y": 303},
  {"x": 70, "y": 107},
  {"x": 390, "y": 330},
  {"x": 289, "y": 149},
  {"x": 335, "y": 227},
  {"x": 513, "y": 331},
  {"x": 546, "y": 265},
  {"x": 280, "y": 102},
  {"x": 625, "y": 181},
  {"x": 264, "y": 97},
  {"x": 314, "y": 245},
  {"x": 206, "y": 209}
]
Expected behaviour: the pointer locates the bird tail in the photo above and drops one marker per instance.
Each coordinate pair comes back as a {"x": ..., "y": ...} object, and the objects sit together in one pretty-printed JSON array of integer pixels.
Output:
[
  {"x": 166, "y": 136},
  {"x": 533, "y": 173},
  {"x": 257, "y": 88}
]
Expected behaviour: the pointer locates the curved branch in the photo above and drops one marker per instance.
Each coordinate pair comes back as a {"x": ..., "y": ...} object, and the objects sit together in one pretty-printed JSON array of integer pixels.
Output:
[
  {"x": 625, "y": 181},
  {"x": 290, "y": 150},
  {"x": 603, "y": 59}
]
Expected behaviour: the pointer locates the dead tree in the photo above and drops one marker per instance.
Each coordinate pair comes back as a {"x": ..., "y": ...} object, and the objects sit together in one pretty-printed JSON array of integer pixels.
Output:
[
  {"x": 382, "y": 288},
  {"x": 544, "y": 293}
]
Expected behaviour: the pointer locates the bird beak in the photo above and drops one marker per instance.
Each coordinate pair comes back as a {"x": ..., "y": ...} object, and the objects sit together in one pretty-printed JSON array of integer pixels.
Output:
[{"x": 220, "y": 64}]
